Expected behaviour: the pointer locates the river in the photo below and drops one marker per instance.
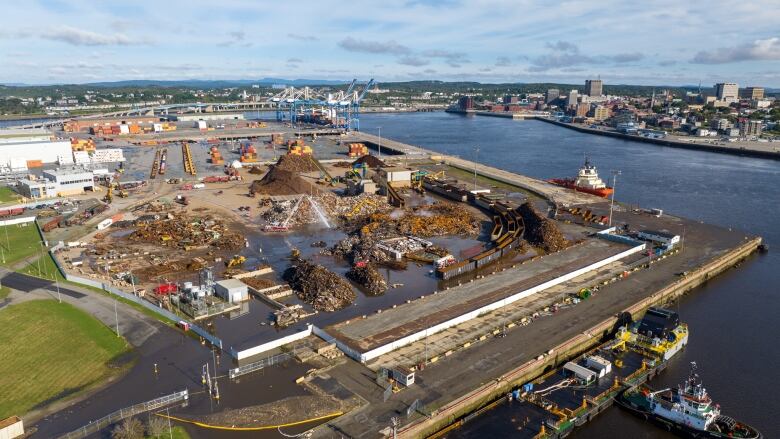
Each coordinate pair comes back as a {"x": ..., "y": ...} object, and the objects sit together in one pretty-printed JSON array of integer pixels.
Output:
[{"x": 732, "y": 318}]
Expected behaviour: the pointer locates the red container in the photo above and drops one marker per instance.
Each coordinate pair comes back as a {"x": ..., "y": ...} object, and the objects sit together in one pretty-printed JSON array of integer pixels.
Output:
[
  {"x": 166, "y": 288},
  {"x": 17, "y": 211}
]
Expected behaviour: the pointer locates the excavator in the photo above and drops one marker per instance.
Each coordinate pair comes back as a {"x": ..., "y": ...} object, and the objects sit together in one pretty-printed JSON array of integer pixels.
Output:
[{"x": 235, "y": 261}]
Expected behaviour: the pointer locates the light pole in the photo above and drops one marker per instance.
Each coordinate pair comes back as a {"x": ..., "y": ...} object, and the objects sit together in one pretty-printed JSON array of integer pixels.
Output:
[
  {"x": 612, "y": 202},
  {"x": 476, "y": 154},
  {"x": 379, "y": 146},
  {"x": 116, "y": 316}
]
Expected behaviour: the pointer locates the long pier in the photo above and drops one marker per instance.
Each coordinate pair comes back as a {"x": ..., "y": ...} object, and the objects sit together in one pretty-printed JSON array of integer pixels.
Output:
[{"x": 577, "y": 345}]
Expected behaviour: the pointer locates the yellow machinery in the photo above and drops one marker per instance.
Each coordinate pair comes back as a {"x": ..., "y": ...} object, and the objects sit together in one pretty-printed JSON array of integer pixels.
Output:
[
  {"x": 235, "y": 261},
  {"x": 359, "y": 206}
]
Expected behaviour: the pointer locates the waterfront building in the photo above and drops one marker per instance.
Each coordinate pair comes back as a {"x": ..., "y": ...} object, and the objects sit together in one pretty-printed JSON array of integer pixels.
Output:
[
  {"x": 582, "y": 109},
  {"x": 600, "y": 112},
  {"x": 727, "y": 91},
  {"x": 750, "y": 128},
  {"x": 594, "y": 87}
]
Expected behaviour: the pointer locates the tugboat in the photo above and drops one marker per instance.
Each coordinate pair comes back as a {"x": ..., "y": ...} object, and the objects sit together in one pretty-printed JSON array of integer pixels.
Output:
[
  {"x": 687, "y": 410},
  {"x": 587, "y": 181}
]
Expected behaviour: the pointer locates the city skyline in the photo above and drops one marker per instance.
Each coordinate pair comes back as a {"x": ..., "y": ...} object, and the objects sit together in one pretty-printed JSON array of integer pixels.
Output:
[{"x": 74, "y": 41}]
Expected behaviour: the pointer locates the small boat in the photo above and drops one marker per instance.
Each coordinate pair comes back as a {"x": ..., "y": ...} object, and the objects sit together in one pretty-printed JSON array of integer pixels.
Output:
[
  {"x": 587, "y": 181},
  {"x": 687, "y": 411}
]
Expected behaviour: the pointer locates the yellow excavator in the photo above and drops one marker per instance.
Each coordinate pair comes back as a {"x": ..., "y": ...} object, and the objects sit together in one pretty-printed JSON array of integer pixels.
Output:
[{"x": 235, "y": 261}]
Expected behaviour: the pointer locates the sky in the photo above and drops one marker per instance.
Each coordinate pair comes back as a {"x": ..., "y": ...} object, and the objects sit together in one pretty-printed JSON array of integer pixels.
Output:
[{"x": 649, "y": 43}]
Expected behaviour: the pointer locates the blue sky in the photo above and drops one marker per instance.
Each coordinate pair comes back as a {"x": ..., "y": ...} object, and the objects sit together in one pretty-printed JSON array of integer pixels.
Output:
[{"x": 651, "y": 42}]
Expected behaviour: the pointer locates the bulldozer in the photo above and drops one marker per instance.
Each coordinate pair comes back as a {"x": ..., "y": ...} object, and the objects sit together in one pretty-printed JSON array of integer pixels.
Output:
[{"x": 235, "y": 261}]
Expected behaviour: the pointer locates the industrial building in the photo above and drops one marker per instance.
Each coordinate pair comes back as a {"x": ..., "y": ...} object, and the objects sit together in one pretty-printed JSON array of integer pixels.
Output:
[
  {"x": 666, "y": 239},
  {"x": 232, "y": 290},
  {"x": 397, "y": 176},
  {"x": 58, "y": 182},
  {"x": 24, "y": 149},
  {"x": 200, "y": 116}
]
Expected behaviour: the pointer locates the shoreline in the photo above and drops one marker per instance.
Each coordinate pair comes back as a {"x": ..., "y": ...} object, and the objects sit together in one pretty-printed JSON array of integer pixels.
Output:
[{"x": 739, "y": 151}]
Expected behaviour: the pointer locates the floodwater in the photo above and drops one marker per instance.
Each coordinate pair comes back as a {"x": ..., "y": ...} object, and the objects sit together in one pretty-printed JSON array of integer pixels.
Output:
[{"x": 732, "y": 318}]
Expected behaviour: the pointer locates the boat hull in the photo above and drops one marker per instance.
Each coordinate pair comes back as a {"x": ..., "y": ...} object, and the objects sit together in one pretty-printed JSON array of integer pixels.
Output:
[
  {"x": 569, "y": 184},
  {"x": 679, "y": 429}
]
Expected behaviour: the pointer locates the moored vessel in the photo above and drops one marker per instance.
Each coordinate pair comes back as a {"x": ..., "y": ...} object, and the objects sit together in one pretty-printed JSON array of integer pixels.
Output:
[
  {"x": 687, "y": 410},
  {"x": 587, "y": 181}
]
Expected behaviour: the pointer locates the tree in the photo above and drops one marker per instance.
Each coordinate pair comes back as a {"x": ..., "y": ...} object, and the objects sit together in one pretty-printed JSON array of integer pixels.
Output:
[
  {"x": 130, "y": 428},
  {"x": 156, "y": 427}
]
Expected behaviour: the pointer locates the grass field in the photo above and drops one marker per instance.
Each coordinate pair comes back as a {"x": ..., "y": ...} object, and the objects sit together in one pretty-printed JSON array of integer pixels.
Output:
[
  {"x": 51, "y": 351},
  {"x": 23, "y": 242},
  {"x": 177, "y": 432},
  {"x": 7, "y": 195},
  {"x": 43, "y": 267}
]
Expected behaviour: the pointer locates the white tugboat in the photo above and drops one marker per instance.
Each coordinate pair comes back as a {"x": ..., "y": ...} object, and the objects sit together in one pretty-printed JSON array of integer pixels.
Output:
[{"x": 687, "y": 410}]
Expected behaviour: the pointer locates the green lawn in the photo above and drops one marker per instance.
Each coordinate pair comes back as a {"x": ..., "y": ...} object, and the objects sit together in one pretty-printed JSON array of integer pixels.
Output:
[
  {"x": 177, "y": 431},
  {"x": 4, "y": 292},
  {"x": 8, "y": 195},
  {"x": 23, "y": 241},
  {"x": 43, "y": 267},
  {"x": 50, "y": 351}
]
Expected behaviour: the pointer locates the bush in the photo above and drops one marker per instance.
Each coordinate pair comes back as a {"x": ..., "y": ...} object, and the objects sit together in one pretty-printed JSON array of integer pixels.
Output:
[{"x": 130, "y": 428}]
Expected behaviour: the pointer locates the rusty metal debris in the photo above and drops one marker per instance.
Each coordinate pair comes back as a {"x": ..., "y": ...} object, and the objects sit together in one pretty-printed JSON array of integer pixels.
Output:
[
  {"x": 540, "y": 231},
  {"x": 318, "y": 286},
  {"x": 368, "y": 277}
]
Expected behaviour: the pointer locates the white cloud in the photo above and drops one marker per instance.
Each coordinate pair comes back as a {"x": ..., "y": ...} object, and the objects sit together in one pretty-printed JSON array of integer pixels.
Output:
[
  {"x": 758, "y": 50},
  {"x": 80, "y": 37},
  {"x": 378, "y": 47}
]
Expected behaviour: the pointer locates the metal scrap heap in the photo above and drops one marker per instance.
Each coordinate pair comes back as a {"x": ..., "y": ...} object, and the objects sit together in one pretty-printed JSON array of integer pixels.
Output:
[
  {"x": 540, "y": 231},
  {"x": 330, "y": 205},
  {"x": 183, "y": 231},
  {"x": 323, "y": 289},
  {"x": 369, "y": 277}
]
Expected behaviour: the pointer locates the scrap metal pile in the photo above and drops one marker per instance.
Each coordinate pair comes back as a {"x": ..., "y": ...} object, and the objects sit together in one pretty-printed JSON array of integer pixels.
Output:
[
  {"x": 369, "y": 277},
  {"x": 540, "y": 231},
  {"x": 331, "y": 206},
  {"x": 183, "y": 231},
  {"x": 323, "y": 289},
  {"x": 424, "y": 221}
]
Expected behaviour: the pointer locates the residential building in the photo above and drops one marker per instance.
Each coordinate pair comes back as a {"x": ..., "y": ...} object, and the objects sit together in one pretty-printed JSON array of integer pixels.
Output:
[
  {"x": 593, "y": 87},
  {"x": 750, "y": 128},
  {"x": 753, "y": 93},
  {"x": 551, "y": 95},
  {"x": 466, "y": 103},
  {"x": 571, "y": 101},
  {"x": 727, "y": 91},
  {"x": 720, "y": 124},
  {"x": 582, "y": 109},
  {"x": 600, "y": 112}
]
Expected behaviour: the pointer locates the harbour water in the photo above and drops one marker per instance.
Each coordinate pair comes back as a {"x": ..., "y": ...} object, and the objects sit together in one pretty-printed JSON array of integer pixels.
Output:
[{"x": 732, "y": 318}]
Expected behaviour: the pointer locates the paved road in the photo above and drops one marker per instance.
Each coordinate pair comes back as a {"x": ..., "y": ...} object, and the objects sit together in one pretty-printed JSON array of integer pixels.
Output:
[{"x": 135, "y": 326}]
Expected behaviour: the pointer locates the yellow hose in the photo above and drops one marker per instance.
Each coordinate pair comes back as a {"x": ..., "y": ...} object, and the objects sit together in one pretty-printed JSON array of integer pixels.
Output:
[{"x": 265, "y": 427}]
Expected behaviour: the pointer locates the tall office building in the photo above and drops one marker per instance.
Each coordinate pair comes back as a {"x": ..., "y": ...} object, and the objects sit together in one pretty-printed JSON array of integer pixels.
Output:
[
  {"x": 571, "y": 102},
  {"x": 593, "y": 87},
  {"x": 552, "y": 94},
  {"x": 727, "y": 91},
  {"x": 753, "y": 93}
]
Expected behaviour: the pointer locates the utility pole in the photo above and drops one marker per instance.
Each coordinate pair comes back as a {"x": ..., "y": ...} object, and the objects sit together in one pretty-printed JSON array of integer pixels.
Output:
[
  {"x": 612, "y": 202},
  {"x": 116, "y": 316},
  {"x": 394, "y": 420},
  {"x": 380, "y": 141},
  {"x": 57, "y": 282},
  {"x": 476, "y": 154}
]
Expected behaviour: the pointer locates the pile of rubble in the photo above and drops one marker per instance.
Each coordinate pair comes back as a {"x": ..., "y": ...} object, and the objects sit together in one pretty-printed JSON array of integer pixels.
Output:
[
  {"x": 422, "y": 221},
  {"x": 368, "y": 277},
  {"x": 318, "y": 286},
  {"x": 540, "y": 231},
  {"x": 283, "y": 177},
  {"x": 371, "y": 161},
  {"x": 330, "y": 205},
  {"x": 182, "y": 231},
  {"x": 257, "y": 170}
]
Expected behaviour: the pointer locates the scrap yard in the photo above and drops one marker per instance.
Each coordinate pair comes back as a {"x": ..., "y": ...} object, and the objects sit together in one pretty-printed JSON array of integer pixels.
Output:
[{"x": 395, "y": 281}]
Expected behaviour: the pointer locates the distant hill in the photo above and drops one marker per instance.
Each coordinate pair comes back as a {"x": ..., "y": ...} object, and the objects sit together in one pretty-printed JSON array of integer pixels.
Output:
[{"x": 196, "y": 83}]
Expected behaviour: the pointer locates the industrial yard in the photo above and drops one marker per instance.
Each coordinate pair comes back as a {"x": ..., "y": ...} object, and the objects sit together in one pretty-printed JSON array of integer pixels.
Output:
[{"x": 264, "y": 240}]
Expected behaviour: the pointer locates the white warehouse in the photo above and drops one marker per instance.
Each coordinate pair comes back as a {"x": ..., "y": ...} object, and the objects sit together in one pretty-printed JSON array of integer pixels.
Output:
[{"x": 18, "y": 146}]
